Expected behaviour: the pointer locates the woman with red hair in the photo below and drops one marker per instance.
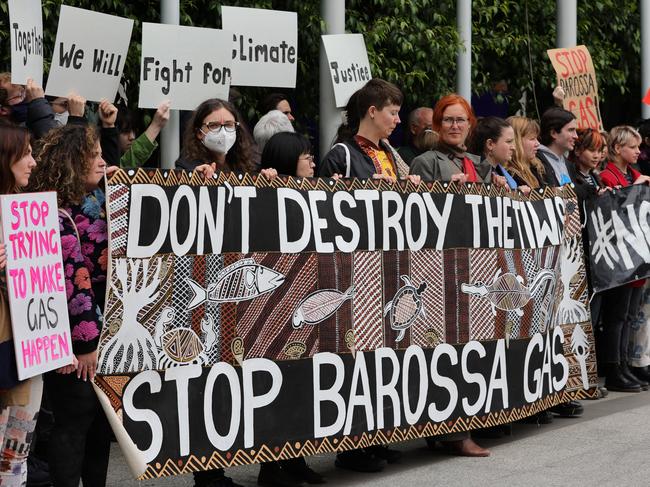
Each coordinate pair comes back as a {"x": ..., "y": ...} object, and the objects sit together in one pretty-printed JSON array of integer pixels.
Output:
[{"x": 453, "y": 120}]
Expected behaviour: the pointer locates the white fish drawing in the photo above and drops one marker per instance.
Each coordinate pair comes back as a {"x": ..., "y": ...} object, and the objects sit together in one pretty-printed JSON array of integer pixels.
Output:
[
  {"x": 243, "y": 280},
  {"x": 319, "y": 306}
]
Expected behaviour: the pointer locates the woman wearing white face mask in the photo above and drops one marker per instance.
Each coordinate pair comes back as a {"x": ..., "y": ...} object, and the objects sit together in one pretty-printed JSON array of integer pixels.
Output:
[{"x": 216, "y": 140}]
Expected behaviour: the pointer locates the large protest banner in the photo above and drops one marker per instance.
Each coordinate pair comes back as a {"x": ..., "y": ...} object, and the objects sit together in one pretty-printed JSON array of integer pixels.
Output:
[
  {"x": 249, "y": 320},
  {"x": 265, "y": 46},
  {"x": 36, "y": 282},
  {"x": 348, "y": 63},
  {"x": 89, "y": 54},
  {"x": 577, "y": 77},
  {"x": 618, "y": 224},
  {"x": 184, "y": 64},
  {"x": 26, "y": 34}
]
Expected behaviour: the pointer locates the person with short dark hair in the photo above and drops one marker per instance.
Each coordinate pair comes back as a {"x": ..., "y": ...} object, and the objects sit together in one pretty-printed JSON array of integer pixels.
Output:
[
  {"x": 290, "y": 154},
  {"x": 277, "y": 101},
  {"x": 362, "y": 149},
  {"x": 558, "y": 137}
]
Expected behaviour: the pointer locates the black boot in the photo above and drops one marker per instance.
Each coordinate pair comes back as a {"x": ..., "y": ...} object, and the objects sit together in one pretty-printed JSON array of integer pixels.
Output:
[
  {"x": 641, "y": 373},
  {"x": 628, "y": 373},
  {"x": 299, "y": 469},
  {"x": 273, "y": 475},
  {"x": 570, "y": 409},
  {"x": 616, "y": 380}
]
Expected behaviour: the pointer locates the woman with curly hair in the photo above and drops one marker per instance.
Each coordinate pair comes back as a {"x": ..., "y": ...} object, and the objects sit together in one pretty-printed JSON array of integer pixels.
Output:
[
  {"x": 19, "y": 405},
  {"x": 70, "y": 162}
]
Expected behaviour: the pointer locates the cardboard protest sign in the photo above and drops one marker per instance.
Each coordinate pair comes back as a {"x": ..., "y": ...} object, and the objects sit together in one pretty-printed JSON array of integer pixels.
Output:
[
  {"x": 265, "y": 48},
  {"x": 184, "y": 64},
  {"x": 36, "y": 282},
  {"x": 89, "y": 54},
  {"x": 26, "y": 34},
  {"x": 347, "y": 59},
  {"x": 301, "y": 316},
  {"x": 577, "y": 77}
]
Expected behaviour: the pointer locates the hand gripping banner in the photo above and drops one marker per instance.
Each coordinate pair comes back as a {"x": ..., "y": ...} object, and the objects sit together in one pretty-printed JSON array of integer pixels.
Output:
[{"x": 250, "y": 320}]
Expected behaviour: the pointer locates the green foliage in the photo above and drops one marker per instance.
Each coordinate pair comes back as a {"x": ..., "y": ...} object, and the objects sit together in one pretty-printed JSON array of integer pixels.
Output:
[{"x": 412, "y": 43}]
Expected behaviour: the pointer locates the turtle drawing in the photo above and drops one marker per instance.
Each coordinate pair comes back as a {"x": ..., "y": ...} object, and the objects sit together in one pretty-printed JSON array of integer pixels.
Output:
[
  {"x": 507, "y": 292},
  {"x": 405, "y": 307},
  {"x": 181, "y": 345}
]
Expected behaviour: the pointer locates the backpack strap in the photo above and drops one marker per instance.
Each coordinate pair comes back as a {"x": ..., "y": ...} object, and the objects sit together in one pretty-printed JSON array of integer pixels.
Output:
[
  {"x": 347, "y": 158},
  {"x": 74, "y": 225}
]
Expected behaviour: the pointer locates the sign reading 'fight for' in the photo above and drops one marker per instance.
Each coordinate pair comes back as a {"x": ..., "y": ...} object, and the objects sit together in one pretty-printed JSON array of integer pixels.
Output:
[
  {"x": 36, "y": 283},
  {"x": 301, "y": 316},
  {"x": 184, "y": 64}
]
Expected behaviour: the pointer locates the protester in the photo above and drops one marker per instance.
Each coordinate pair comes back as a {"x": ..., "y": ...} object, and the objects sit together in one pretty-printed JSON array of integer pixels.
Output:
[
  {"x": 586, "y": 156},
  {"x": 137, "y": 152},
  {"x": 453, "y": 120},
  {"x": 290, "y": 154},
  {"x": 558, "y": 136},
  {"x": 494, "y": 102},
  {"x": 644, "y": 157},
  {"x": 70, "y": 162},
  {"x": 270, "y": 124},
  {"x": 362, "y": 149},
  {"x": 419, "y": 123},
  {"x": 19, "y": 405},
  {"x": 494, "y": 139},
  {"x": 277, "y": 101},
  {"x": 216, "y": 138},
  {"x": 524, "y": 166},
  {"x": 620, "y": 305}
]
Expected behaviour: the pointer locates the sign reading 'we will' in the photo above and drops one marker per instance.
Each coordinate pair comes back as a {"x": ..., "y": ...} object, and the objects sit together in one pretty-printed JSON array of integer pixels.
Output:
[{"x": 36, "y": 283}]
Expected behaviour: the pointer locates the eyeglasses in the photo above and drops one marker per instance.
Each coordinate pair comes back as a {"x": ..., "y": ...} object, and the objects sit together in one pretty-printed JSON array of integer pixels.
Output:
[
  {"x": 216, "y": 126},
  {"x": 449, "y": 121},
  {"x": 309, "y": 157}
]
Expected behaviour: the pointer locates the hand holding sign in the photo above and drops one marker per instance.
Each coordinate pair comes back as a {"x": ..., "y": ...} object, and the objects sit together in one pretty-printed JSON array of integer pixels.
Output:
[
  {"x": 3, "y": 257},
  {"x": 107, "y": 113},
  {"x": 33, "y": 91},
  {"x": 76, "y": 105}
]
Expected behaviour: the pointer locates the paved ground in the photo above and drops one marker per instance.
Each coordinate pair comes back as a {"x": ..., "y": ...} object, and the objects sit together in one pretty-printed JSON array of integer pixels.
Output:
[{"x": 609, "y": 445}]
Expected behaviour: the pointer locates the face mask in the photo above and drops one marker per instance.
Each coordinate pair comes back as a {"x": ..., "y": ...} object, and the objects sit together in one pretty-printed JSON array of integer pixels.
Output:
[
  {"x": 219, "y": 142},
  {"x": 19, "y": 112},
  {"x": 62, "y": 118}
]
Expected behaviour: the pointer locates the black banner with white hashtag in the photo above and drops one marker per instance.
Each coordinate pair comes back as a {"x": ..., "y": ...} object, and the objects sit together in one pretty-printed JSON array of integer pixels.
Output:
[{"x": 618, "y": 224}]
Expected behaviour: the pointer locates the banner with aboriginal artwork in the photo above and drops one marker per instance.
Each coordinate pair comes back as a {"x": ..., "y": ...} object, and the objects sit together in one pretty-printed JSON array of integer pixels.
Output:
[{"x": 250, "y": 320}]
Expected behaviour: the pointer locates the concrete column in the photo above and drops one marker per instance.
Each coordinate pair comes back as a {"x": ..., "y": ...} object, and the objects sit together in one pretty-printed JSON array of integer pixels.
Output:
[
  {"x": 333, "y": 13},
  {"x": 169, "y": 138},
  {"x": 567, "y": 23},
  {"x": 645, "y": 54},
  {"x": 464, "y": 60}
]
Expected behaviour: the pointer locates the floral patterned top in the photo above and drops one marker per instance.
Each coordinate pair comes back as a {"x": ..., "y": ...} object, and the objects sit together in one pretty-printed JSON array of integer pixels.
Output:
[{"x": 85, "y": 260}]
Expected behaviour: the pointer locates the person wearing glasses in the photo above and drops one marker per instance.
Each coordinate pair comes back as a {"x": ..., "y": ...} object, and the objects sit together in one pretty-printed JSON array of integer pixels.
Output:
[
  {"x": 216, "y": 140},
  {"x": 453, "y": 120}
]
